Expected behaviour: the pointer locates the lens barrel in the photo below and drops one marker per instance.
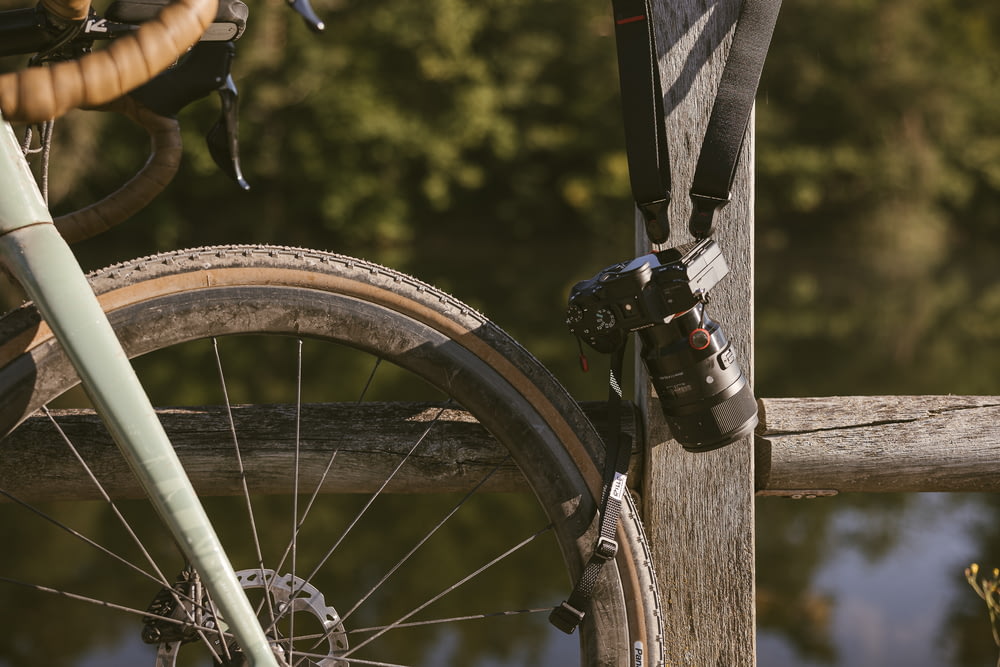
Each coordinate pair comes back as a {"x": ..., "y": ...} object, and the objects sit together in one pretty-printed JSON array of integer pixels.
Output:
[{"x": 705, "y": 398}]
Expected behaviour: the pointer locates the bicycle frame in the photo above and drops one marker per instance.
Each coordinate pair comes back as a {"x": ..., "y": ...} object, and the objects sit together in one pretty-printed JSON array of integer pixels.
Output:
[{"x": 37, "y": 256}]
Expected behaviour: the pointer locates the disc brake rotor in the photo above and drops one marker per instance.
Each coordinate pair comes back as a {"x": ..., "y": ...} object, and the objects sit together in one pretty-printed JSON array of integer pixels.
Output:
[
  {"x": 289, "y": 595},
  {"x": 293, "y": 595}
]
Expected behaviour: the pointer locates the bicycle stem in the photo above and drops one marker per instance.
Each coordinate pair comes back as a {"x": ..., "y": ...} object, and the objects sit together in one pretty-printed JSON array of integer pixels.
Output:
[{"x": 34, "y": 252}]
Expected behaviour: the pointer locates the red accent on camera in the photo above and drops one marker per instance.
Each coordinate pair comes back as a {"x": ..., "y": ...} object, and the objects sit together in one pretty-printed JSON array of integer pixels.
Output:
[{"x": 701, "y": 344}]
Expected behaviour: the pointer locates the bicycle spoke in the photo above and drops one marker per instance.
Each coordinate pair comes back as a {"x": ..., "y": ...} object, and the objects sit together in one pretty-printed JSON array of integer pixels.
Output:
[
  {"x": 326, "y": 471},
  {"x": 449, "y": 620},
  {"x": 378, "y": 492},
  {"x": 361, "y": 513},
  {"x": 297, "y": 521},
  {"x": 102, "y": 603},
  {"x": 80, "y": 536},
  {"x": 396, "y": 624},
  {"x": 158, "y": 578},
  {"x": 177, "y": 596},
  {"x": 402, "y": 561},
  {"x": 107, "y": 499},
  {"x": 242, "y": 469},
  {"x": 218, "y": 631},
  {"x": 295, "y": 490},
  {"x": 333, "y": 455},
  {"x": 354, "y": 661}
]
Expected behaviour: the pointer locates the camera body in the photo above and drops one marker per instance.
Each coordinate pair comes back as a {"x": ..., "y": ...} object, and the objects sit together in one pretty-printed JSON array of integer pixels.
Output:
[{"x": 703, "y": 393}]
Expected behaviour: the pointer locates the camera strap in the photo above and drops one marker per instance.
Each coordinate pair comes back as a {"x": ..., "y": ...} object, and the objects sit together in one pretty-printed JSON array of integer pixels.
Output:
[
  {"x": 649, "y": 172},
  {"x": 618, "y": 452},
  {"x": 645, "y": 125},
  {"x": 642, "y": 111}
]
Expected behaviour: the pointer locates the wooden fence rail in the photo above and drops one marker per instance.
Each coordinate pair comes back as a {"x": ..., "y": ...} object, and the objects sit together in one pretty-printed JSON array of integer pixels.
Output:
[
  {"x": 880, "y": 443},
  {"x": 370, "y": 440},
  {"x": 805, "y": 447}
]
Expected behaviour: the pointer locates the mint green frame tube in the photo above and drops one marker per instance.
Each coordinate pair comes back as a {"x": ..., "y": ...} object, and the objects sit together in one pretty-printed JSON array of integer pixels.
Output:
[{"x": 34, "y": 252}]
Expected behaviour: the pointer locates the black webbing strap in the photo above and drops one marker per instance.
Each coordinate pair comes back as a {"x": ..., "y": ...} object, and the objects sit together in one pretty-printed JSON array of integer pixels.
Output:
[
  {"x": 642, "y": 109},
  {"x": 618, "y": 452},
  {"x": 645, "y": 127},
  {"x": 720, "y": 150}
]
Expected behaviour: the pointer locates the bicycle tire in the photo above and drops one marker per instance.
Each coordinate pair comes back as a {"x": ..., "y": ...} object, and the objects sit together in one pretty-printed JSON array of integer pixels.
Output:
[{"x": 215, "y": 293}]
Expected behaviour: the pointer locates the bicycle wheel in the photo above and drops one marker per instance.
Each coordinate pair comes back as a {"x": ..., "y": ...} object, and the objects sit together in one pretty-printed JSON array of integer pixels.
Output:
[{"x": 364, "y": 527}]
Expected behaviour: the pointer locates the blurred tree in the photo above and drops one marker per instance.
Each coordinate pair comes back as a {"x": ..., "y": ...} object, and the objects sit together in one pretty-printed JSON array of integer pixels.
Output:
[
  {"x": 400, "y": 120},
  {"x": 406, "y": 124},
  {"x": 878, "y": 154}
]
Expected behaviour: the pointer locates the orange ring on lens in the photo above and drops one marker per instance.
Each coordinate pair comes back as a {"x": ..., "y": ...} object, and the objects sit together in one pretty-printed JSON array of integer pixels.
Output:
[{"x": 699, "y": 345}]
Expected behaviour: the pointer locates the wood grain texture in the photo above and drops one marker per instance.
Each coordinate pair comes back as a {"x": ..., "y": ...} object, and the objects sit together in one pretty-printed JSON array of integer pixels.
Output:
[
  {"x": 880, "y": 444},
  {"x": 833, "y": 444},
  {"x": 699, "y": 508},
  {"x": 370, "y": 441}
]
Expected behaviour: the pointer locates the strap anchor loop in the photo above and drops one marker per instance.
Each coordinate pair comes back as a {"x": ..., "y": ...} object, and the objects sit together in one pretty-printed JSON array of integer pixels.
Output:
[
  {"x": 656, "y": 216},
  {"x": 703, "y": 214}
]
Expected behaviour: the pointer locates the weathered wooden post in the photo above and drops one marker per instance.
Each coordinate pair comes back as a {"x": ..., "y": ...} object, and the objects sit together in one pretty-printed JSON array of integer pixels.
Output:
[{"x": 699, "y": 508}]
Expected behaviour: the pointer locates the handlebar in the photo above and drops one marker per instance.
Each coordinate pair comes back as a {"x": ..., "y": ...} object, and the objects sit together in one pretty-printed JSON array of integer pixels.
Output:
[
  {"x": 43, "y": 93},
  {"x": 164, "y": 160}
]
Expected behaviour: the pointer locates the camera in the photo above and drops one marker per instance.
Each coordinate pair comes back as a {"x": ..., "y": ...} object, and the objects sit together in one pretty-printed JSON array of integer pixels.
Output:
[{"x": 705, "y": 398}]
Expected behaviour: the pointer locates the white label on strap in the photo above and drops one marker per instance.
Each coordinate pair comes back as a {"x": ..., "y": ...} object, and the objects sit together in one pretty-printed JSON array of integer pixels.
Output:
[{"x": 618, "y": 486}]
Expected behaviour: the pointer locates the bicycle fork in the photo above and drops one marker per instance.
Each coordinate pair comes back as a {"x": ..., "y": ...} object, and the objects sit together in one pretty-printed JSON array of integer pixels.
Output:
[{"x": 38, "y": 257}]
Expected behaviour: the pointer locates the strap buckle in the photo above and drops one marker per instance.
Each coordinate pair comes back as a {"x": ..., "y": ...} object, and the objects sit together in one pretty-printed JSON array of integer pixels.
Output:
[
  {"x": 605, "y": 550},
  {"x": 566, "y": 617}
]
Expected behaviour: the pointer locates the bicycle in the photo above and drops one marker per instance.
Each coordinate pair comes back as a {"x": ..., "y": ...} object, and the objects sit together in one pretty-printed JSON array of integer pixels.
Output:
[{"x": 283, "y": 600}]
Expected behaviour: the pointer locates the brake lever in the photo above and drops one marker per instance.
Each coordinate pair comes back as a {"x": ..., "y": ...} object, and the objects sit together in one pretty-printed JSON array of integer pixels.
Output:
[
  {"x": 205, "y": 68},
  {"x": 223, "y": 138}
]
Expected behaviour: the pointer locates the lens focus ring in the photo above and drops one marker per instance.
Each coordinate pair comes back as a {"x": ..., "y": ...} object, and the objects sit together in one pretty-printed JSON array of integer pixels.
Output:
[{"x": 710, "y": 426}]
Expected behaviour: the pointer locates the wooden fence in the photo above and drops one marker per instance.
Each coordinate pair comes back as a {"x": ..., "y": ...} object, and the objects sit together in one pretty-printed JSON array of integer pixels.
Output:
[{"x": 804, "y": 447}]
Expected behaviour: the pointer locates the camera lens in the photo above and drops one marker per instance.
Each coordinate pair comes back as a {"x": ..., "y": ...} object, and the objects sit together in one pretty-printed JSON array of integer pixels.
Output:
[{"x": 705, "y": 398}]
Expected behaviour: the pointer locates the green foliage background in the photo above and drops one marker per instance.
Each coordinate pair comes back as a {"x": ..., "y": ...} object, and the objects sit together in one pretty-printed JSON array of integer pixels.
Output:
[
  {"x": 879, "y": 198},
  {"x": 401, "y": 120},
  {"x": 479, "y": 145},
  {"x": 407, "y": 128}
]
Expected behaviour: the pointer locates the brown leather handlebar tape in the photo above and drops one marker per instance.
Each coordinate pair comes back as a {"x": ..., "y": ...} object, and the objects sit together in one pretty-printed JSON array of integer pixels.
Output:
[
  {"x": 156, "y": 174},
  {"x": 41, "y": 93}
]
